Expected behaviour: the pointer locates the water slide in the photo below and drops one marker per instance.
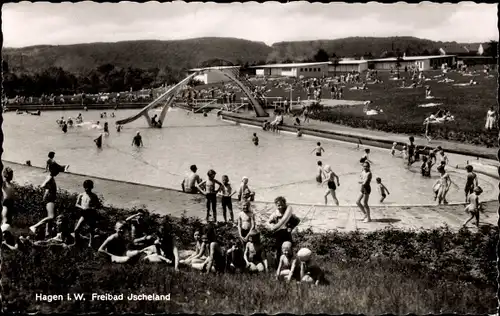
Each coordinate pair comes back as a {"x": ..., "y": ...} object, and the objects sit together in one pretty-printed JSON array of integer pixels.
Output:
[{"x": 169, "y": 95}]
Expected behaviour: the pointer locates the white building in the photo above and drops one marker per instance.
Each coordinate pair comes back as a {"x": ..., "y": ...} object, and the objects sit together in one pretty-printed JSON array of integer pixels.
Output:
[
  {"x": 318, "y": 69},
  {"x": 209, "y": 77},
  {"x": 421, "y": 62},
  {"x": 348, "y": 66}
]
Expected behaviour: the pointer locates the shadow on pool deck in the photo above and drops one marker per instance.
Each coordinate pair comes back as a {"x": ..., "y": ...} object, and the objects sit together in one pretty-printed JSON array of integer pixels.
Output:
[{"x": 318, "y": 218}]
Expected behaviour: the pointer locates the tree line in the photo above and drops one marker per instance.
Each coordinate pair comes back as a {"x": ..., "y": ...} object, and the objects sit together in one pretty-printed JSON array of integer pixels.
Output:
[{"x": 105, "y": 78}]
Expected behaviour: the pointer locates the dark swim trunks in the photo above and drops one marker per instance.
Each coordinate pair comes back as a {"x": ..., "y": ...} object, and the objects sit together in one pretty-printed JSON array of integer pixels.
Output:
[
  {"x": 366, "y": 189},
  {"x": 8, "y": 203},
  {"x": 331, "y": 185},
  {"x": 318, "y": 154}
]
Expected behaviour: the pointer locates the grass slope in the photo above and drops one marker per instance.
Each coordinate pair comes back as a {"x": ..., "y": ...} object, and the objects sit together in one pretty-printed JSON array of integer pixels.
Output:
[{"x": 387, "y": 271}]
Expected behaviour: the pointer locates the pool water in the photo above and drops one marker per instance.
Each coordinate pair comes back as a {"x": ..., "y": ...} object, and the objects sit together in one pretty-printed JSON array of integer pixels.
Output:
[{"x": 280, "y": 165}]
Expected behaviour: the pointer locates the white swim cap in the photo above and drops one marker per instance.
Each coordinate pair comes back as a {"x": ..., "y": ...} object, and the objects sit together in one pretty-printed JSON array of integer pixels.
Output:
[
  {"x": 6, "y": 228},
  {"x": 286, "y": 245},
  {"x": 242, "y": 179},
  {"x": 304, "y": 254},
  {"x": 394, "y": 144},
  {"x": 328, "y": 168}
]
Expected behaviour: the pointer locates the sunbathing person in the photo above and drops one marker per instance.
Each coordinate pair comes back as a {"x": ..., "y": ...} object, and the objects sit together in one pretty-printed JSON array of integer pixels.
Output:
[
  {"x": 165, "y": 248},
  {"x": 9, "y": 241},
  {"x": 215, "y": 261},
  {"x": 197, "y": 248},
  {"x": 63, "y": 235},
  {"x": 116, "y": 245}
]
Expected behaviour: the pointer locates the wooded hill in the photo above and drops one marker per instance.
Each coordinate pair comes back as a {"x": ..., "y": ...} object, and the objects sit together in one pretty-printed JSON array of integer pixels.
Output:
[{"x": 183, "y": 54}]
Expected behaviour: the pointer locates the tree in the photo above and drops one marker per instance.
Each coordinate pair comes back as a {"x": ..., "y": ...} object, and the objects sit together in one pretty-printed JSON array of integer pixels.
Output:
[
  {"x": 425, "y": 53},
  {"x": 321, "y": 56},
  {"x": 492, "y": 49}
]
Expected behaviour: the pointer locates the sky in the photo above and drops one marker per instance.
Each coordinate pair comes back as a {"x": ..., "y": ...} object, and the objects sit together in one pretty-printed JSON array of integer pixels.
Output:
[{"x": 27, "y": 23}]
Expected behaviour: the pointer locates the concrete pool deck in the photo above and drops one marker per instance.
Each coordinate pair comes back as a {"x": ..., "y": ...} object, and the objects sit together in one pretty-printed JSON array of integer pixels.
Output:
[{"x": 318, "y": 218}]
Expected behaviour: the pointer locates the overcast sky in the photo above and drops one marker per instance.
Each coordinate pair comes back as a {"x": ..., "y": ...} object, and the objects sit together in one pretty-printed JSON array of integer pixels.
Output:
[{"x": 26, "y": 24}]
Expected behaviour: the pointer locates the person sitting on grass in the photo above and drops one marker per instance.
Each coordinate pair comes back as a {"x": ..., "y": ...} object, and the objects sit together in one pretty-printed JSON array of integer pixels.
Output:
[
  {"x": 49, "y": 197},
  {"x": 197, "y": 248},
  {"x": 8, "y": 239},
  {"x": 215, "y": 261},
  {"x": 255, "y": 256},
  {"x": 244, "y": 193},
  {"x": 201, "y": 256},
  {"x": 287, "y": 263},
  {"x": 63, "y": 236},
  {"x": 8, "y": 193},
  {"x": 281, "y": 223},
  {"x": 117, "y": 244},
  {"x": 474, "y": 207},
  {"x": 139, "y": 231},
  {"x": 309, "y": 273},
  {"x": 165, "y": 248},
  {"x": 88, "y": 203},
  {"x": 234, "y": 258},
  {"x": 246, "y": 221}
]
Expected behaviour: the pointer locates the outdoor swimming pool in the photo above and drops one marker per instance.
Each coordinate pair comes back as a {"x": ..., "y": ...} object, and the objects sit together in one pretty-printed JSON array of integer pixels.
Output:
[{"x": 281, "y": 165}]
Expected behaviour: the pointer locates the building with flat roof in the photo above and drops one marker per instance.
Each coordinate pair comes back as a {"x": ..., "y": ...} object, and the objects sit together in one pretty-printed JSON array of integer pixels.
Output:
[
  {"x": 421, "y": 62},
  {"x": 347, "y": 65},
  {"x": 209, "y": 77},
  {"x": 307, "y": 70}
]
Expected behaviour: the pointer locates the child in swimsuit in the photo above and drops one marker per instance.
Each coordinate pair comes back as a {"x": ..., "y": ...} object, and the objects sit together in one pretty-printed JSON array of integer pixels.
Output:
[
  {"x": 211, "y": 193},
  {"x": 366, "y": 178},
  {"x": 330, "y": 177},
  {"x": 227, "y": 192},
  {"x": 287, "y": 264},
  {"x": 319, "y": 150},
  {"x": 393, "y": 149},
  {"x": 365, "y": 156},
  {"x": 88, "y": 203},
  {"x": 246, "y": 221},
  {"x": 254, "y": 255},
  {"x": 49, "y": 198},
  {"x": 471, "y": 181},
  {"x": 9, "y": 193},
  {"x": 382, "y": 190},
  {"x": 474, "y": 207},
  {"x": 442, "y": 186},
  {"x": 319, "y": 176}
]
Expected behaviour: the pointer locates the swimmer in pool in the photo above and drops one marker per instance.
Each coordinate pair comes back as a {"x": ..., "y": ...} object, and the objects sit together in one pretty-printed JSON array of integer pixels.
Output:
[
  {"x": 255, "y": 139},
  {"x": 319, "y": 150},
  {"x": 118, "y": 128},
  {"x": 393, "y": 149},
  {"x": 106, "y": 129},
  {"x": 137, "y": 140},
  {"x": 320, "y": 174},
  {"x": 299, "y": 132},
  {"x": 382, "y": 190},
  {"x": 98, "y": 141}
]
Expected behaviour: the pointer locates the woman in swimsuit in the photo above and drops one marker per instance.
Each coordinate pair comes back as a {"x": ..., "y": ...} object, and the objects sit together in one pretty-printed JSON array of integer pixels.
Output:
[
  {"x": 471, "y": 181},
  {"x": 330, "y": 177},
  {"x": 366, "y": 178}
]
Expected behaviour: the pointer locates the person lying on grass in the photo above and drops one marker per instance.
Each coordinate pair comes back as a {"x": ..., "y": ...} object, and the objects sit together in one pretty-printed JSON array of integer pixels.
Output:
[
  {"x": 88, "y": 203},
  {"x": 117, "y": 244},
  {"x": 215, "y": 261},
  {"x": 255, "y": 256},
  {"x": 287, "y": 263},
  {"x": 63, "y": 236},
  {"x": 309, "y": 273},
  {"x": 8, "y": 193},
  {"x": 474, "y": 207},
  {"x": 246, "y": 221}
]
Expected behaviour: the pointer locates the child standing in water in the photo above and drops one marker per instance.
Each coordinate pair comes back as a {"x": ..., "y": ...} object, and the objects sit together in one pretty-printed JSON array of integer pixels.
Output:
[
  {"x": 255, "y": 139},
  {"x": 319, "y": 175},
  {"x": 442, "y": 186},
  {"x": 330, "y": 177},
  {"x": 382, "y": 190},
  {"x": 471, "y": 181},
  {"x": 365, "y": 157},
  {"x": 49, "y": 197},
  {"x": 211, "y": 193},
  {"x": 98, "y": 141},
  {"x": 227, "y": 193},
  {"x": 319, "y": 150},
  {"x": 393, "y": 149},
  {"x": 366, "y": 178},
  {"x": 474, "y": 207},
  {"x": 9, "y": 193}
]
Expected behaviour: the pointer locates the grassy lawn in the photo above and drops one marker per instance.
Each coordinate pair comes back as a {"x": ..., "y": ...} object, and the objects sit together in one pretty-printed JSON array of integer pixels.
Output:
[
  {"x": 401, "y": 113},
  {"x": 387, "y": 271}
]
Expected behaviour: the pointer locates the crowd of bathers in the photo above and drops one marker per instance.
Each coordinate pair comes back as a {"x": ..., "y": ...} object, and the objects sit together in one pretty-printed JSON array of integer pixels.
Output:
[{"x": 135, "y": 241}]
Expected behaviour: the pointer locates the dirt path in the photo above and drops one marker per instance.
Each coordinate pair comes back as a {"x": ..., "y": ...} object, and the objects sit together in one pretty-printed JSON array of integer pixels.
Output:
[{"x": 318, "y": 218}]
